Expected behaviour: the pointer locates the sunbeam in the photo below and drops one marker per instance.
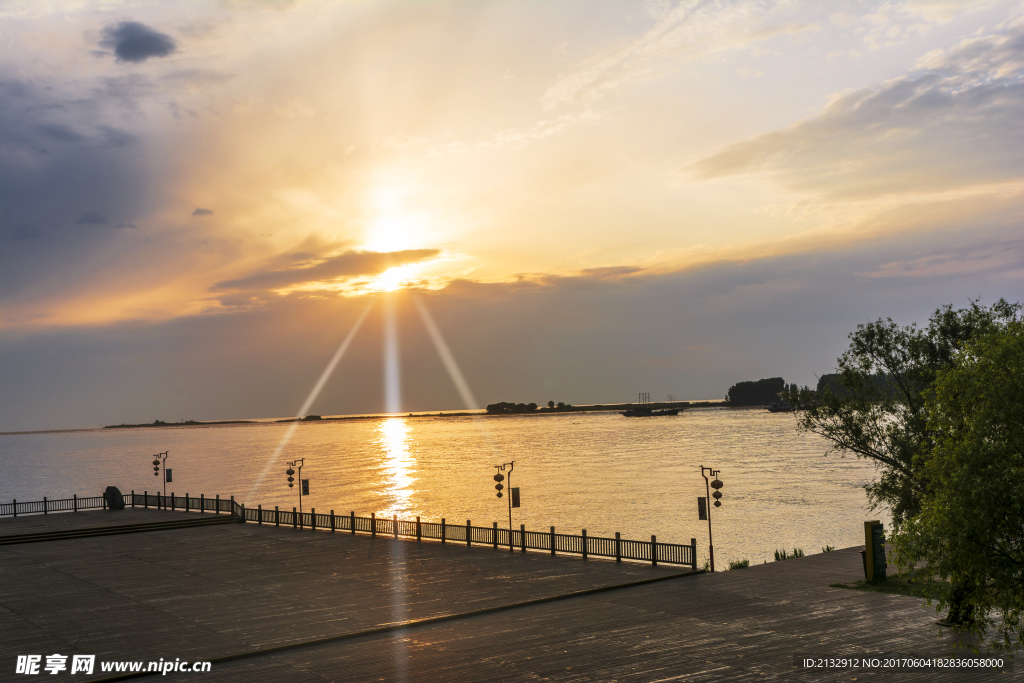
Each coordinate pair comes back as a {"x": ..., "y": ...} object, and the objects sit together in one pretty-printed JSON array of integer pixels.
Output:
[
  {"x": 309, "y": 401},
  {"x": 446, "y": 356},
  {"x": 392, "y": 381}
]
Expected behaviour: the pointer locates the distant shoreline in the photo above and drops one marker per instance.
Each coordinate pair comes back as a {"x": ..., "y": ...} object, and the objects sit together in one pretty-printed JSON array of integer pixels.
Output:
[{"x": 596, "y": 408}]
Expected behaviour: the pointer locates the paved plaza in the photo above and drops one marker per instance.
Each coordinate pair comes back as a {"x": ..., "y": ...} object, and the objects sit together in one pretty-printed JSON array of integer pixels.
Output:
[{"x": 236, "y": 594}]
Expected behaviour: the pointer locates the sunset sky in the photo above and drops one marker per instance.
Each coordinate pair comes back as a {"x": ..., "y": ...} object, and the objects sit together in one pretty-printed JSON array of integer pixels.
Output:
[{"x": 592, "y": 199}]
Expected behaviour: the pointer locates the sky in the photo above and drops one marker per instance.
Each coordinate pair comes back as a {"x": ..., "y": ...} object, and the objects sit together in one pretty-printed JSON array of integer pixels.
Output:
[{"x": 199, "y": 201}]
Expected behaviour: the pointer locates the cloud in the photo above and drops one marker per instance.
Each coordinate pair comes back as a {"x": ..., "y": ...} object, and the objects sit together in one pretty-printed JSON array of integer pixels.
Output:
[
  {"x": 689, "y": 30},
  {"x": 953, "y": 122},
  {"x": 58, "y": 133},
  {"x": 126, "y": 225},
  {"x": 136, "y": 42},
  {"x": 691, "y": 333},
  {"x": 202, "y": 212},
  {"x": 92, "y": 218},
  {"x": 348, "y": 264}
]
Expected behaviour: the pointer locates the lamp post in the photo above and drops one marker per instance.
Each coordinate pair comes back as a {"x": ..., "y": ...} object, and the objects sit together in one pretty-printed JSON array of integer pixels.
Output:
[
  {"x": 716, "y": 485},
  {"x": 499, "y": 477},
  {"x": 156, "y": 467},
  {"x": 291, "y": 479}
]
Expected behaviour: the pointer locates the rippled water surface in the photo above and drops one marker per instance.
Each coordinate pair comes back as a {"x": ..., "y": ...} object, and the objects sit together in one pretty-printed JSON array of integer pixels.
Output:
[{"x": 595, "y": 471}]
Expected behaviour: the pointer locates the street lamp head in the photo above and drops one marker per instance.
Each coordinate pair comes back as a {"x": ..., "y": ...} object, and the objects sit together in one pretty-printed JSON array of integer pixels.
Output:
[
  {"x": 499, "y": 477},
  {"x": 717, "y": 484},
  {"x": 289, "y": 472}
]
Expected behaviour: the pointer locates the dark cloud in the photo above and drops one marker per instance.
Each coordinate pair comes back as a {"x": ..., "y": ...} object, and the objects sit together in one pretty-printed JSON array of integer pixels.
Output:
[
  {"x": 116, "y": 137},
  {"x": 202, "y": 212},
  {"x": 582, "y": 339},
  {"x": 92, "y": 218},
  {"x": 27, "y": 231},
  {"x": 58, "y": 133},
  {"x": 126, "y": 225},
  {"x": 348, "y": 264},
  {"x": 954, "y": 122},
  {"x": 136, "y": 42}
]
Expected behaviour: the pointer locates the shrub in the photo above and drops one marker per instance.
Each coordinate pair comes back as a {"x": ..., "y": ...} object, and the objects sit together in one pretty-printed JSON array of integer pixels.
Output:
[{"x": 739, "y": 564}]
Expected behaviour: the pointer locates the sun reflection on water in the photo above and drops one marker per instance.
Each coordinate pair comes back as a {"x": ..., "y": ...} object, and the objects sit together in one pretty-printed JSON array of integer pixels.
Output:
[{"x": 399, "y": 463}]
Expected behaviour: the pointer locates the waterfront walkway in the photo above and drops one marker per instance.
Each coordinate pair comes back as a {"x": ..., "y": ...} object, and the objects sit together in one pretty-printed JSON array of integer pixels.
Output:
[{"x": 208, "y": 593}]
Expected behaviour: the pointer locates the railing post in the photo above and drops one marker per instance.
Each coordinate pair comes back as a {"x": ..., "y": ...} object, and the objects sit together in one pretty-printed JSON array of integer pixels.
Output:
[
  {"x": 394, "y": 525},
  {"x": 277, "y": 516},
  {"x": 373, "y": 524},
  {"x": 187, "y": 506},
  {"x": 145, "y": 499},
  {"x": 522, "y": 537},
  {"x": 242, "y": 516},
  {"x": 312, "y": 518},
  {"x": 494, "y": 535},
  {"x": 45, "y": 505},
  {"x": 75, "y": 503},
  {"x": 443, "y": 529},
  {"x": 202, "y": 502},
  {"x": 654, "y": 550},
  {"x": 693, "y": 553},
  {"x": 469, "y": 534},
  {"x": 552, "y": 540},
  {"x": 332, "y": 521},
  {"x": 172, "y": 499},
  {"x": 352, "y": 518},
  {"x": 15, "y": 507},
  {"x": 295, "y": 518},
  {"x": 217, "y": 503},
  {"x": 618, "y": 547},
  {"x": 419, "y": 532},
  {"x": 259, "y": 513},
  {"x": 584, "y": 544},
  {"x": 133, "y": 500}
]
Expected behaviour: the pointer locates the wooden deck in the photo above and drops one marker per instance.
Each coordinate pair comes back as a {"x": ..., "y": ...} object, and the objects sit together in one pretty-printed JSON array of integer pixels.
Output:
[{"x": 238, "y": 589}]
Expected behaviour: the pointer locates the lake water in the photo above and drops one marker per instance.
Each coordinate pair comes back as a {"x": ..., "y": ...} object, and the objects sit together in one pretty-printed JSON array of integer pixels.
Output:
[{"x": 595, "y": 471}]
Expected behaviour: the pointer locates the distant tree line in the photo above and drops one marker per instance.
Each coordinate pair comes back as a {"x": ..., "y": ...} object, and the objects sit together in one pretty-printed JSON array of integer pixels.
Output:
[
  {"x": 759, "y": 393},
  {"x": 519, "y": 408}
]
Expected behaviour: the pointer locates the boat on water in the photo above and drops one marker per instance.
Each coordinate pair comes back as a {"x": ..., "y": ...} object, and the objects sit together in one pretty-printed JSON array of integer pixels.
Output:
[
  {"x": 644, "y": 409},
  {"x": 647, "y": 412}
]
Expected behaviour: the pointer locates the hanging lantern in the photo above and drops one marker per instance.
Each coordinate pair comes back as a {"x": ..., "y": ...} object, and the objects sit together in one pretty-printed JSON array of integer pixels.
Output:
[{"x": 717, "y": 484}]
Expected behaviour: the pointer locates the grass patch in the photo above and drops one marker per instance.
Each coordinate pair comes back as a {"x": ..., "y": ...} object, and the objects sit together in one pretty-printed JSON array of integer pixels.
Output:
[
  {"x": 916, "y": 587},
  {"x": 783, "y": 555},
  {"x": 739, "y": 564}
]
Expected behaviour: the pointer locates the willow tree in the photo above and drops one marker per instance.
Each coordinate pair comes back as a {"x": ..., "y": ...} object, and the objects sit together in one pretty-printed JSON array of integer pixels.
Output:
[
  {"x": 969, "y": 529},
  {"x": 880, "y": 411}
]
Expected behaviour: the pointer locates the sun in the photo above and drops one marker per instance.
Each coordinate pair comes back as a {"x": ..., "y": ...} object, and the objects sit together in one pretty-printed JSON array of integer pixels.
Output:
[{"x": 395, "y": 278}]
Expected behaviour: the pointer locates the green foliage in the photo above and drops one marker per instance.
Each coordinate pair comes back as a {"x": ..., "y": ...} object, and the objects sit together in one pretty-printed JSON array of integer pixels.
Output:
[
  {"x": 759, "y": 393},
  {"x": 887, "y": 376},
  {"x": 827, "y": 549},
  {"x": 970, "y": 525},
  {"x": 739, "y": 564},
  {"x": 783, "y": 555}
]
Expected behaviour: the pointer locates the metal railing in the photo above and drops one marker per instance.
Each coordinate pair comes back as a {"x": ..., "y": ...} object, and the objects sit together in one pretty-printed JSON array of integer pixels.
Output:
[{"x": 513, "y": 539}]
